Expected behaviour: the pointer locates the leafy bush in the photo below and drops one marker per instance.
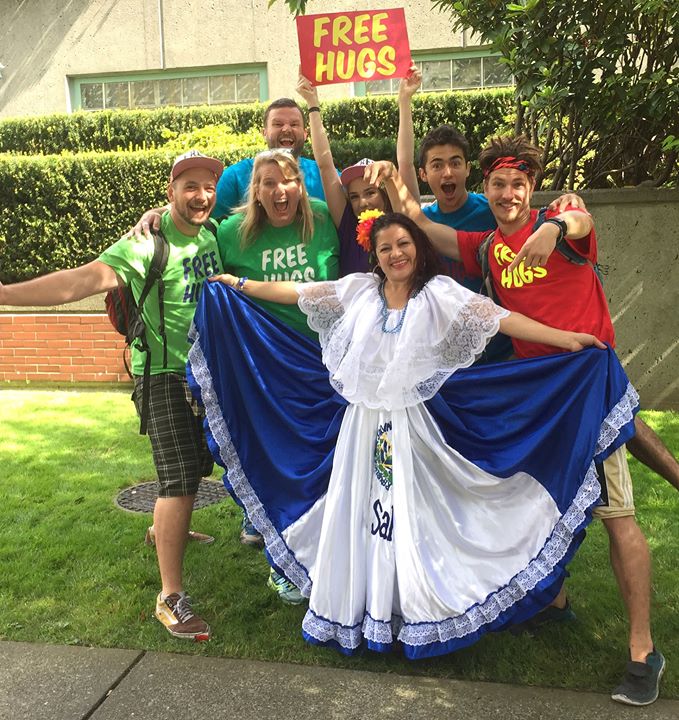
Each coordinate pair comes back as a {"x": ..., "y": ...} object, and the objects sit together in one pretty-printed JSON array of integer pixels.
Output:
[
  {"x": 111, "y": 130},
  {"x": 61, "y": 211},
  {"x": 597, "y": 83},
  {"x": 214, "y": 140},
  {"x": 478, "y": 114}
]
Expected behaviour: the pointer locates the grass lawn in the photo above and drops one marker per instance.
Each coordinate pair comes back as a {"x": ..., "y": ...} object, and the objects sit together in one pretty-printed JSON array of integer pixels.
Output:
[{"x": 74, "y": 569}]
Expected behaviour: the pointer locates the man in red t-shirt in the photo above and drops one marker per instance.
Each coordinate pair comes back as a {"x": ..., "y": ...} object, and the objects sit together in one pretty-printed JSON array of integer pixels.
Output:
[
  {"x": 552, "y": 289},
  {"x": 528, "y": 277}
]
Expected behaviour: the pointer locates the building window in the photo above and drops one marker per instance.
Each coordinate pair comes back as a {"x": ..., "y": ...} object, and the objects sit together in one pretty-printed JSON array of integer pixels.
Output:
[
  {"x": 456, "y": 72},
  {"x": 158, "y": 90}
]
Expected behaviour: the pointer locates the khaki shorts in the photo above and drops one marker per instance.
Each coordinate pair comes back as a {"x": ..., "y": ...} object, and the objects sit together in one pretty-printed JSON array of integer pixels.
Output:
[{"x": 617, "y": 496}]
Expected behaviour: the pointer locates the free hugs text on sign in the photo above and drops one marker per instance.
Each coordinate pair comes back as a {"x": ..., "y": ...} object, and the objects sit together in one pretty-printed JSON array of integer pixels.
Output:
[{"x": 353, "y": 46}]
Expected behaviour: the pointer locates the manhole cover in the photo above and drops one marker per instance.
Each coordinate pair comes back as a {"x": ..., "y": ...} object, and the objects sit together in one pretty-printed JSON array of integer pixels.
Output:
[{"x": 142, "y": 498}]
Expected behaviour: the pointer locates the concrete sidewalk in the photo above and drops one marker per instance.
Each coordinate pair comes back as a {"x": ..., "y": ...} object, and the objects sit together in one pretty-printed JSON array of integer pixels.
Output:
[{"x": 51, "y": 682}]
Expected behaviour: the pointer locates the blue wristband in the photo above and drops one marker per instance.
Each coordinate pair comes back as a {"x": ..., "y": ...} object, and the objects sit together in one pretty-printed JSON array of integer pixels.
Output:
[{"x": 241, "y": 283}]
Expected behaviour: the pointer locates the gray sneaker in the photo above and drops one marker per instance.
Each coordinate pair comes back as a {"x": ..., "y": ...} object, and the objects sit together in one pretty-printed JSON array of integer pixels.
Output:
[
  {"x": 641, "y": 683},
  {"x": 288, "y": 592},
  {"x": 249, "y": 535}
]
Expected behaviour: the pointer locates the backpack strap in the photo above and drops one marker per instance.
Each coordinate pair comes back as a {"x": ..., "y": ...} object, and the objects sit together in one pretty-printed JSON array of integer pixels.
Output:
[
  {"x": 161, "y": 254},
  {"x": 561, "y": 245},
  {"x": 145, "y": 395},
  {"x": 211, "y": 226},
  {"x": 482, "y": 256}
]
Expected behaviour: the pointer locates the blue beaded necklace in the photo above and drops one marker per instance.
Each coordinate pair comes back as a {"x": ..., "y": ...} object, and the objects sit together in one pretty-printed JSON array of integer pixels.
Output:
[{"x": 384, "y": 311}]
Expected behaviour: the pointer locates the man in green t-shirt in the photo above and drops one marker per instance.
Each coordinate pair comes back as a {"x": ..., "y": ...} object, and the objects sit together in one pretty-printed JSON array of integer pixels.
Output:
[{"x": 180, "y": 451}]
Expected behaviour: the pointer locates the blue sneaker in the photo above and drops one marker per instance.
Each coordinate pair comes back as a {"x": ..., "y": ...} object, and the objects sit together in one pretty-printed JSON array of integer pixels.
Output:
[
  {"x": 288, "y": 592},
  {"x": 641, "y": 683},
  {"x": 249, "y": 535},
  {"x": 551, "y": 614}
]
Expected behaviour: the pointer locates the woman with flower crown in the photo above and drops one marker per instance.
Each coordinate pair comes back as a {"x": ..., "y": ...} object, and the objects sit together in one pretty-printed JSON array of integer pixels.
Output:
[{"x": 411, "y": 498}]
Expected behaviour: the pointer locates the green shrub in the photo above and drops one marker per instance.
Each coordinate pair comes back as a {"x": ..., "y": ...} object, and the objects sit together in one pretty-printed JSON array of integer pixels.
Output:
[
  {"x": 478, "y": 114},
  {"x": 112, "y": 130},
  {"x": 61, "y": 211},
  {"x": 213, "y": 140}
]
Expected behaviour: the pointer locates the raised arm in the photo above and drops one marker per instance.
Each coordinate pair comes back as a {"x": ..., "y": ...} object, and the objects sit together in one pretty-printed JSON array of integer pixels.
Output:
[
  {"x": 332, "y": 187},
  {"x": 63, "y": 286},
  {"x": 281, "y": 292},
  {"x": 405, "y": 143},
  {"x": 523, "y": 328},
  {"x": 443, "y": 238}
]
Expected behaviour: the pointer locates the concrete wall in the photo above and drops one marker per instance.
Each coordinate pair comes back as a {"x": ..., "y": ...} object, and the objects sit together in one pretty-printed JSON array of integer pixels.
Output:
[
  {"x": 637, "y": 231},
  {"x": 46, "y": 41}
]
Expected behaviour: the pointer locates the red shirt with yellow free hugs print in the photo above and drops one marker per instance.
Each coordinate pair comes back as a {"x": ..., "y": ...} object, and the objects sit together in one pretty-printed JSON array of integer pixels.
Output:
[{"x": 561, "y": 294}]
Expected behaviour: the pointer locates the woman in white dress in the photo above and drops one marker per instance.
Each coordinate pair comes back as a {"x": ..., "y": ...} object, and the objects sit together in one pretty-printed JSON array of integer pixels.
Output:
[{"x": 408, "y": 540}]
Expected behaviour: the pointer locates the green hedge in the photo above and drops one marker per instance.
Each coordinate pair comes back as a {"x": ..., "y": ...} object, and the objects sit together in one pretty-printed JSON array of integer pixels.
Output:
[
  {"x": 113, "y": 130},
  {"x": 478, "y": 114},
  {"x": 59, "y": 212}
]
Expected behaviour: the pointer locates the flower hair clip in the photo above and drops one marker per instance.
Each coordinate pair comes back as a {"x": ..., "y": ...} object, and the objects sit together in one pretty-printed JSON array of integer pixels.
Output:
[{"x": 365, "y": 222}]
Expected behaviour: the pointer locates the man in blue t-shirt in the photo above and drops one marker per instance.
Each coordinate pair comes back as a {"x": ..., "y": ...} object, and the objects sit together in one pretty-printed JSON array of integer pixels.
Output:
[
  {"x": 444, "y": 165},
  {"x": 284, "y": 127}
]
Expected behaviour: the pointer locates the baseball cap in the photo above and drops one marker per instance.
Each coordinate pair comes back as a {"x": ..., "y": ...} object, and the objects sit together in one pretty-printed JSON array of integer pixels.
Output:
[
  {"x": 195, "y": 159},
  {"x": 354, "y": 171}
]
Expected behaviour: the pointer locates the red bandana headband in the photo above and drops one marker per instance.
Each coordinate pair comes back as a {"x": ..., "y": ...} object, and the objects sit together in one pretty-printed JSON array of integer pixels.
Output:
[{"x": 509, "y": 162}]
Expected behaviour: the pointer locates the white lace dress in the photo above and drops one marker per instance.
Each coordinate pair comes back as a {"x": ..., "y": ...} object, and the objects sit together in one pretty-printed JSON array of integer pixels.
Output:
[
  {"x": 410, "y": 535},
  {"x": 406, "y": 513}
]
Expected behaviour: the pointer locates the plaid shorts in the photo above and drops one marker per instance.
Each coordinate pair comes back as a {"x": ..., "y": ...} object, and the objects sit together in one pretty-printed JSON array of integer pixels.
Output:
[{"x": 175, "y": 428}]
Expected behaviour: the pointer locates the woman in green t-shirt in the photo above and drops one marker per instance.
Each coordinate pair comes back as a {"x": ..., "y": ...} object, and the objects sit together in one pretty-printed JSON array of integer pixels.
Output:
[{"x": 279, "y": 233}]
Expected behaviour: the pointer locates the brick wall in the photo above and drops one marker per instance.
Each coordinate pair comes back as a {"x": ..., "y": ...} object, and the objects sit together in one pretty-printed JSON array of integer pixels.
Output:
[{"x": 60, "y": 347}]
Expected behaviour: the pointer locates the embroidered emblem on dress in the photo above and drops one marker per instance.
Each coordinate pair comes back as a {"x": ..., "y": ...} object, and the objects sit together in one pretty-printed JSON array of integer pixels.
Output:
[{"x": 382, "y": 462}]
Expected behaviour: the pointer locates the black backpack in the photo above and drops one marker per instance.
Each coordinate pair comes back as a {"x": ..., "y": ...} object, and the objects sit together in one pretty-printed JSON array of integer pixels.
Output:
[
  {"x": 125, "y": 315},
  {"x": 561, "y": 246}
]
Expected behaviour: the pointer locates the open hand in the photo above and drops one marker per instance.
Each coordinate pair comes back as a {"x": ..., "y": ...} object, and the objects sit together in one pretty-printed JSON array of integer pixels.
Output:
[{"x": 410, "y": 84}]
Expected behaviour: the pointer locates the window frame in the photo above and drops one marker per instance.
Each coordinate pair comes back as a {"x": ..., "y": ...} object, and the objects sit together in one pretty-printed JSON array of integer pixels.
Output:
[
  {"x": 483, "y": 52},
  {"x": 75, "y": 82}
]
